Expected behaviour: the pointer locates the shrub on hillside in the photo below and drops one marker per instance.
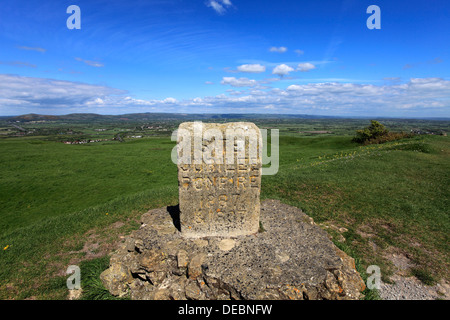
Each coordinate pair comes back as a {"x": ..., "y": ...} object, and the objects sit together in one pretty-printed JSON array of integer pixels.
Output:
[{"x": 377, "y": 133}]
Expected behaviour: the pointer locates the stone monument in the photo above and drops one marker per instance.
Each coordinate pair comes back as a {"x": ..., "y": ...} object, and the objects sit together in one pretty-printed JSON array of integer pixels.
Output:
[
  {"x": 219, "y": 178},
  {"x": 211, "y": 246}
]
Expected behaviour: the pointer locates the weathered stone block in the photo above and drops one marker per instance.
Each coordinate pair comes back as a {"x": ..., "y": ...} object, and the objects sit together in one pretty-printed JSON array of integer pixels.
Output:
[{"x": 219, "y": 178}]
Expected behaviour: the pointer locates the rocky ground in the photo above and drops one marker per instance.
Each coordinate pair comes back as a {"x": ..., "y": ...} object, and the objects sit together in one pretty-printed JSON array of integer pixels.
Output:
[
  {"x": 402, "y": 286},
  {"x": 411, "y": 288},
  {"x": 407, "y": 287},
  {"x": 290, "y": 258}
]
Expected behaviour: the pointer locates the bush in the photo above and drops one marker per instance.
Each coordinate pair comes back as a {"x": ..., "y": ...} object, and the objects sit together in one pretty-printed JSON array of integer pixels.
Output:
[
  {"x": 390, "y": 136},
  {"x": 375, "y": 130},
  {"x": 377, "y": 133}
]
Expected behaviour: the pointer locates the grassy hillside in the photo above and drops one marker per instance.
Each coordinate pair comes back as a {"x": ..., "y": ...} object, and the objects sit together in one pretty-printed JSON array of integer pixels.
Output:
[
  {"x": 62, "y": 204},
  {"x": 386, "y": 196}
]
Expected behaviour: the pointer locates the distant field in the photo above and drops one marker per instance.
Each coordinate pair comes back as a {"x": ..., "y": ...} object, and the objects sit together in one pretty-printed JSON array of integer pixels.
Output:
[{"x": 62, "y": 204}]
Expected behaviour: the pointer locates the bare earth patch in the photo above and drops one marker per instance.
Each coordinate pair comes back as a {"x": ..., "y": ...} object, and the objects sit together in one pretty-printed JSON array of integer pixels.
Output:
[
  {"x": 98, "y": 245},
  {"x": 410, "y": 288},
  {"x": 406, "y": 287},
  {"x": 400, "y": 259}
]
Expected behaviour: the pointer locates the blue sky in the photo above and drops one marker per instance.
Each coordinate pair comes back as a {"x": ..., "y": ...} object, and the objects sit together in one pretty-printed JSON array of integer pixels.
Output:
[{"x": 226, "y": 56}]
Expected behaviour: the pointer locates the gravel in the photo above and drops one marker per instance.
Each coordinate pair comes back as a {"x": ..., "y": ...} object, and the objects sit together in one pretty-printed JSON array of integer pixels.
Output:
[{"x": 410, "y": 288}]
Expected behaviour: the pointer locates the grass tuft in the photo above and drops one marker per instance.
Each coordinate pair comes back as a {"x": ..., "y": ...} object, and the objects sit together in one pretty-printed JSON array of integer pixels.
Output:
[
  {"x": 91, "y": 284},
  {"x": 425, "y": 276}
]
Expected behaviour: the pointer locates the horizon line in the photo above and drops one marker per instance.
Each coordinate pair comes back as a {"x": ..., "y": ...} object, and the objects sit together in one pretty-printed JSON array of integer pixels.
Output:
[{"x": 241, "y": 113}]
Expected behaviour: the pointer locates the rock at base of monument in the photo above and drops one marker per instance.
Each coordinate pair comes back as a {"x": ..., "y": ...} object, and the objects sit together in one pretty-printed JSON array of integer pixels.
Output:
[{"x": 291, "y": 259}]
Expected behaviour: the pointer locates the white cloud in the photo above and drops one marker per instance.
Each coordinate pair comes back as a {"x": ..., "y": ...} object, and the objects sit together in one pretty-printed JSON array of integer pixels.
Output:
[
  {"x": 252, "y": 68},
  {"x": 282, "y": 70},
  {"x": 45, "y": 95},
  {"x": 170, "y": 100},
  {"x": 128, "y": 101},
  {"x": 99, "y": 101},
  {"x": 278, "y": 49},
  {"x": 418, "y": 97},
  {"x": 219, "y": 5},
  {"x": 241, "y": 82},
  {"x": 299, "y": 52},
  {"x": 306, "y": 66}
]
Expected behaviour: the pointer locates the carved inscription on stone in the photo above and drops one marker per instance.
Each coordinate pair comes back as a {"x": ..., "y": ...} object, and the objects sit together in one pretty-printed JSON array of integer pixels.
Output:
[{"x": 219, "y": 178}]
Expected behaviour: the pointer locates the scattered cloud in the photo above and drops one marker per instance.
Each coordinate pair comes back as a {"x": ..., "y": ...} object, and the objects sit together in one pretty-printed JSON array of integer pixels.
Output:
[
  {"x": 69, "y": 71},
  {"x": 278, "y": 49},
  {"x": 229, "y": 70},
  {"x": 436, "y": 60},
  {"x": 282, "y": 70},
  {"x": 42, "y": 50},
  {"x": 170, "y": 100},
  {"x": 209, "y": 82},
  {"x": 415, "y": 97},
  {"x": 306, "y": 66},
  {"x": 413, "y": 65},
  {"x": 251, "y": 68},
  {"x": 270, "y": 80},
  {"x": 18, "y": 64},
  {"x": 407, "y": 66},
  {"x": 392, "y": 79},
  {"x": 91, "y": 63},
  {"x": 46, "y": 95},
  {"x": 299, "y": 52},
  {"x": 241, "y": 82},
  {"x": 220, "y": 6}
]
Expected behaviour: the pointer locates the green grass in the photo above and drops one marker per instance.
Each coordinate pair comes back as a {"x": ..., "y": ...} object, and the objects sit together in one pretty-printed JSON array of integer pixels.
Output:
[
  {"x": 43, "y": 179},
  {"x": 93, "y": 288},
  {"x": 424, "y": 275},
  {"x": 52, "y": 193},
  {"x": 34, "y": 249},
  {"x": 53, "y": 196}
]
